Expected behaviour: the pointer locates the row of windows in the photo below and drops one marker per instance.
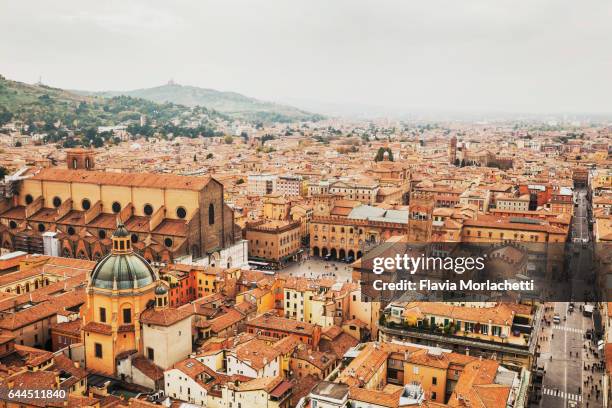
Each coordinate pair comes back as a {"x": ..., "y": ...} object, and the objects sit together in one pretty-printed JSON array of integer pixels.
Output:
[
  {"x": 342, "y": 240},
  {"x": 283, "y": 241},
  {"x": 333, "y": 229},
  {"x": 501, "y": 235},
  {"x": 27, "y": 286},
  {"x": 147, "y": 209},
  {"x": 127, "y": 315}
]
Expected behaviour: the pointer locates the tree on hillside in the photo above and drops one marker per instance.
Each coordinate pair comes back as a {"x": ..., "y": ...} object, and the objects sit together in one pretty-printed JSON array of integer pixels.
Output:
[{"x": 5, "y": 116}]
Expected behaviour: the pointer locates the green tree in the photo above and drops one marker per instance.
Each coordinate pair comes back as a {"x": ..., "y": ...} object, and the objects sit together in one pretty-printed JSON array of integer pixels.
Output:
[
  {"x": 209, "y": 156},
  {"x": 3, "y": 171},
  {"x": 18, "y": 144},
  {"x": 5, "y": 115},
  {"x": 98, "y": 142},
  {"x": 91, "y": 133},
  {"x": 380, "y": 154},
  {"x": 228, "y": 139}
]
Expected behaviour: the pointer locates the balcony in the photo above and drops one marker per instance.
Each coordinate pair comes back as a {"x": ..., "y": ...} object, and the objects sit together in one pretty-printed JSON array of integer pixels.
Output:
[{"x": 437, "y": 336}]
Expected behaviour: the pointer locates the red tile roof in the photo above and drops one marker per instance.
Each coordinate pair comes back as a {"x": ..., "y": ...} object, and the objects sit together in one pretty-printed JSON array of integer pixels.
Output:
[{"x": 150, "y": 180}]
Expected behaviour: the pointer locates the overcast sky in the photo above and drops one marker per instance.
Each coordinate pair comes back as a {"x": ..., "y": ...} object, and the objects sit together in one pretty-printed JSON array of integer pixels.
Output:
[{"x": 515, "y": 56}]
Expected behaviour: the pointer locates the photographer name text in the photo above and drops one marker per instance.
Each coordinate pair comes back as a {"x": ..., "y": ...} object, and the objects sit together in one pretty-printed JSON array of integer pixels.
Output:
[{"x": 470, "y": 285}]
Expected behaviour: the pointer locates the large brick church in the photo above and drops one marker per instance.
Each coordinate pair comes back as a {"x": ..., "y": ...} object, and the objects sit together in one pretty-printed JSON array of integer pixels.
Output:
[{"x": 73, "y": 211}]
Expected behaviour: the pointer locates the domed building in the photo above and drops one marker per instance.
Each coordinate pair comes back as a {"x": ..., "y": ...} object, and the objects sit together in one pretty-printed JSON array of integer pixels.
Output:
[{"x": 120, "y": 287}]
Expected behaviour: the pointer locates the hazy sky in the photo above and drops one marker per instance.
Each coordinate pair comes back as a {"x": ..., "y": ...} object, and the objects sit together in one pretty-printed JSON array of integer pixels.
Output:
[{"x": 526, "y": 56}]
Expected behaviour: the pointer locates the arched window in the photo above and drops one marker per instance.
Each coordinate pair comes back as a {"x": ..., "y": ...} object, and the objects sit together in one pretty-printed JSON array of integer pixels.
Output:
[
  {"x": 74, "y": 163},
  {"x": 211, "y": 214}
]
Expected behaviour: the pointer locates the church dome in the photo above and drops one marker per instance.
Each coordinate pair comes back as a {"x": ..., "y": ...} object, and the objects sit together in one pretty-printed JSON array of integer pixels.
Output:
[{"x": 122, "y": 268}]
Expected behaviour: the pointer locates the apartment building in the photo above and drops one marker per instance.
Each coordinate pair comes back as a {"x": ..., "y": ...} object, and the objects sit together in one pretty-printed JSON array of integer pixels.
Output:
[
  {"x": 363, "y": 190},
  {"x": 483, "y": 329},
  {"x": 274, "y": 241},
  {"x": 289, "y": 185},
  {"x": 280, "y": 327},
  {"x": 393, "y": 375},
  {"x": 261, "y": 184},
  {"x": 512, "y": 202}
]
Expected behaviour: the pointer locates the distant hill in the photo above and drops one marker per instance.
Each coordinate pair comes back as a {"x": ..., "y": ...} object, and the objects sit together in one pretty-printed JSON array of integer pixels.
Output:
[
  {"x": 231, "y": 103},
  {"x": 41, "y": 103}
]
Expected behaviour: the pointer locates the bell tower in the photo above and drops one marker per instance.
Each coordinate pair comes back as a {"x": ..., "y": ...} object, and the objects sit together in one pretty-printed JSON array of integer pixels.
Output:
[
  {"x": 80, "y": 159},
  {"x": 161, "y": 297},
  {"x": 421, "y": 207},
  {"x": 452, "y": 150}
]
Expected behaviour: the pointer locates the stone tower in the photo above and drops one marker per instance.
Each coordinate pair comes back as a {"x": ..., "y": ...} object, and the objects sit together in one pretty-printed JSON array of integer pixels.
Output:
[
  {"x": 452, "y": 150},
  {"x": 80, "y": 159},
  {"x": 421, "y": 208}
]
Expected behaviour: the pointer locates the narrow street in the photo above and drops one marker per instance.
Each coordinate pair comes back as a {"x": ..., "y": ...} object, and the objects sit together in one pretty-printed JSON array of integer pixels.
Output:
[{"x": 568, "y": 353}]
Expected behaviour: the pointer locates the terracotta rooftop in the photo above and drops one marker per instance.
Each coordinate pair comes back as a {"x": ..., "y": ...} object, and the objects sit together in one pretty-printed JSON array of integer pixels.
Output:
[
  {"x": 165, "y": 317},
  {"x": 148, "y": 368},
  {"x": 149, "y": 180},
  {"x": 256, "y": 353},
  {"x": 277, "y": 323}
]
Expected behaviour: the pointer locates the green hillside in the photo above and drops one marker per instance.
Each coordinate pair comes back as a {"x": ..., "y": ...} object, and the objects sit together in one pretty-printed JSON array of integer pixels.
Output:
[
  {"x": 41, "y": 103},
  {"x": 233, "y": 104}
]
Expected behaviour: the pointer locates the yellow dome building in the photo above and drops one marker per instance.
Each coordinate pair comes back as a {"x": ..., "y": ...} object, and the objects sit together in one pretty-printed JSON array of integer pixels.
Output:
[{"x": 120, "y": 287}]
